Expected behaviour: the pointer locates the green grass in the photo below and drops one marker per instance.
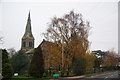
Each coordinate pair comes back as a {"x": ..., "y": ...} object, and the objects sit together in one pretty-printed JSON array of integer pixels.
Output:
[
  {"x": 29, "y": 78},
  {"x": 48, "y": 78},
  {"x": 20, "y": 77}
]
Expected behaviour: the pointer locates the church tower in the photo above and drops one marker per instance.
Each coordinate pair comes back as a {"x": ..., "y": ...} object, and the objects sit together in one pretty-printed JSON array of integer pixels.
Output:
[{"x": 27, "y": 39}]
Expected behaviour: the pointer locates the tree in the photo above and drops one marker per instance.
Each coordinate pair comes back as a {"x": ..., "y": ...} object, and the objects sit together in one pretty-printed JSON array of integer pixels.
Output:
[
  {"x": 97, "y": 62},
  {"x": 72, "y": 32},
  {"x": 79, "y": 66},
  {"x": 51, "y": 54},
  {"x": 89, "y": 61},
  {"x": 37, "y": 64},
  {"x": 110, "y": 60},
  {"x": 99, "y": 54},
  {"x": 11, "y": 52},
  {"x": 64, "y": 28},
  {"x": 20, "y": 63},
  {"x": 7, "y": 71}
]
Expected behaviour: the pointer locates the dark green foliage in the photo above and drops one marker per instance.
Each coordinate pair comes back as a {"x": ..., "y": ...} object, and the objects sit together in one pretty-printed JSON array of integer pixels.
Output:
[
  {"x": 7, "y": 71},
  {"x": 97, "y": 62},
  {"x": 99, "y": 54},
  {"x": 79, "y": 66},
  {"x": 37, "y": 64},
  {"x": 20, "y": 63}
]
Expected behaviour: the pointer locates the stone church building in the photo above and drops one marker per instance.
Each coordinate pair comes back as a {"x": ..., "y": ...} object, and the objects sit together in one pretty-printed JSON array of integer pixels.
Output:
[{"x": 27, "y": 43}]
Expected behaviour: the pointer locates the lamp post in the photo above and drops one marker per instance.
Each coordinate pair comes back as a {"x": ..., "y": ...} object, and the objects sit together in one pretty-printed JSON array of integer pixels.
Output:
[{"x": 62, "y": 72}]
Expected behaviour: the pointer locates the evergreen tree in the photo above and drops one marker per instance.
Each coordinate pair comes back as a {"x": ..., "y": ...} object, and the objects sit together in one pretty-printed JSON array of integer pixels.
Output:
[
  {"x": 7, "y": 71},
  {"x": 20, "y": 63},
  {"x": 79, "y": 66},
  {"x": 37, "y": 64}
]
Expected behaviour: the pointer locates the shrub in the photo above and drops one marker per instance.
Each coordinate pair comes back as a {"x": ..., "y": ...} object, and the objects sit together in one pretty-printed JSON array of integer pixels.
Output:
[
  {"x": 37, "y": 64},
  {"x": 7, "y": 71},
  {"x": 79, "y": 66}
]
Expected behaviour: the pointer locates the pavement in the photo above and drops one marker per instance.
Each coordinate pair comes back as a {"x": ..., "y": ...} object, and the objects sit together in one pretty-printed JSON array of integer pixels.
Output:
[
  {"x": 105, "y": 76},
  {"x": 101, "y": 76},
  {"x": 75, "y": 77}
]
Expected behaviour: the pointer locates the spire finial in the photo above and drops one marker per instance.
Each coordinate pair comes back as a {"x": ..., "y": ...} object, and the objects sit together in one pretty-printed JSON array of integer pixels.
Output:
[{"x": 29, "y": 15}]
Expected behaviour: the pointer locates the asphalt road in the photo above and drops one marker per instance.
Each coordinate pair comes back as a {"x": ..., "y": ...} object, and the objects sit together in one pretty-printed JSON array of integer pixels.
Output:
[{"x": 106, "y": 76}]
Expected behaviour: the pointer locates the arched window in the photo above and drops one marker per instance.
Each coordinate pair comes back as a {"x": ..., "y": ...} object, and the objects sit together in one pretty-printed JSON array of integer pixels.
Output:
[
  {"x": 30, "y": 44},
  {"x": 24, "y": 44}
]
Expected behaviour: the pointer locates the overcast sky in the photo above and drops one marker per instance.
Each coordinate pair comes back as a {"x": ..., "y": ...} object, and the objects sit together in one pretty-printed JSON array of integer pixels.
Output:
[{"x": 103, "y": 17}]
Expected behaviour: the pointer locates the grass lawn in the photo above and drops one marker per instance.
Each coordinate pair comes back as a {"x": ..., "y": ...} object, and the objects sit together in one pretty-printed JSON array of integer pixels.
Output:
[{"x": 29, "y": 78}]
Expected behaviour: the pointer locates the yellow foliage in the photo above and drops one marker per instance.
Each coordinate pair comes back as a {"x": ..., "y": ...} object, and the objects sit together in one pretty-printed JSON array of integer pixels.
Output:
[
  {"x": 90, "y": 61},
  {"x": 110, "y": 59}
]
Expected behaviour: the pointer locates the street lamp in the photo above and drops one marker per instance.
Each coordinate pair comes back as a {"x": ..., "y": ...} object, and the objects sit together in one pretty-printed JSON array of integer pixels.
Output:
[{"x": 62, "y": 72}]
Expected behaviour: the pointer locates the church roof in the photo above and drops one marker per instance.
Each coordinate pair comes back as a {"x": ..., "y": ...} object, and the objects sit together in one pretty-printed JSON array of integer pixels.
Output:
[{"x": 31, "y": 51}]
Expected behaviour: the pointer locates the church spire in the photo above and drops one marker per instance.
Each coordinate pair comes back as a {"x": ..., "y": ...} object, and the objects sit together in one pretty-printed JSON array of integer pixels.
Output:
[
  {"x": 29, "y": 15},
  {"x": 28, "y": 26},
  {"x": 28, "y": 39}
]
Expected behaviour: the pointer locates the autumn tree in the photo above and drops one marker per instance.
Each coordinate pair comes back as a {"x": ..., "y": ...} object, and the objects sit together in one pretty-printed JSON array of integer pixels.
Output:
[
  {"x": 52, "y": 57},
  {"x": 89, "y": 61},
  {"x": 72, "y": 32},
  {"x": 110, "y": 60},
  {"x": 67, "y": 26}
]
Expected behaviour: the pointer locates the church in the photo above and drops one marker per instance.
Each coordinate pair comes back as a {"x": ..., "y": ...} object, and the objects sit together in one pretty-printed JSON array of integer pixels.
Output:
[
  {"x": 27, "y": 43},
  {"x": 27, "y": 39}
]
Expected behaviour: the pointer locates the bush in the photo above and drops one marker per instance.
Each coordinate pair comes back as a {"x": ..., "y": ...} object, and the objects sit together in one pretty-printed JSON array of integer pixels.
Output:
[
  {"x": 79, "y": 66},
  {"x": 20, "y": 63},
  {"x": 7, "y": 71},
  {"x": 37, "y": 64}
]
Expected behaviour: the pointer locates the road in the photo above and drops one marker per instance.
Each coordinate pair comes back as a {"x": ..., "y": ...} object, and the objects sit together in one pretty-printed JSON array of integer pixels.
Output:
[{"x": 106, "y": 76}]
